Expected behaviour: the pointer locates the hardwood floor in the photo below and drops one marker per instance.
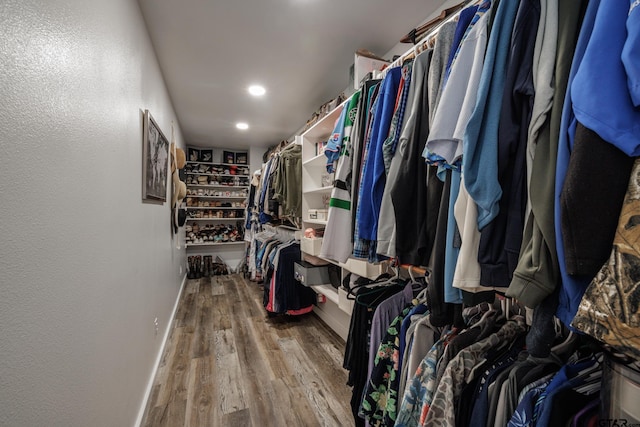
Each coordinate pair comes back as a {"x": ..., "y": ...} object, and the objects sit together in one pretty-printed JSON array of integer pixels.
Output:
[{"x": 227, "y": 364}]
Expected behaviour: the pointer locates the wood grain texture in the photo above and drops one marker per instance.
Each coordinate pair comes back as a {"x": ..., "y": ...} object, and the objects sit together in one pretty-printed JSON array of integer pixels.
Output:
[{"x": 226, "y": 363}]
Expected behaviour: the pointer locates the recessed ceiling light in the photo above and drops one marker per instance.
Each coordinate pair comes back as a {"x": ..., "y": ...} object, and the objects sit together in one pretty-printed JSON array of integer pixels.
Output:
[
  {"x": 257, "y": 90},
  {"x": 242, "y": 125}
]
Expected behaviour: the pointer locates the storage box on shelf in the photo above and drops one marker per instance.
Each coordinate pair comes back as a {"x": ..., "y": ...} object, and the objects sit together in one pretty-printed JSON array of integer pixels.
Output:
[{"x": 311, "y": 246}]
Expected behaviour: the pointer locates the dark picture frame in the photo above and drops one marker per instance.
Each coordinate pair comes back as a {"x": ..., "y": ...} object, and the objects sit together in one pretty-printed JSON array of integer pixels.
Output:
[
  {"x": 206, "y": 156},
  {"x": 155, "y": 160},
  {"x": 193, "y": 155},
  {"x": 228, "y": 157},
  {"x": 241, "y": 158}
]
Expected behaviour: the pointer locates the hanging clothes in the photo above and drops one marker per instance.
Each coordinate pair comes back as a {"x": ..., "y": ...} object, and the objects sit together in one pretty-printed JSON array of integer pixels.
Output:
[
  {"x": 501, "y": 239},
  {"x": 369, "y": 94},
  {"x": 608, "y": 310},
  {"x": 379, "y": 403},
  {"x": 373, "y": 173},
  {"x": 287, "y": 184},
  {"x": 449, "y": 387},
  {"x": 361, "y": 246},
  {"x": 282, "y": 293},
  {"x": 386, "y": 221},
  {"x": 357, "y": 347},
  {"x": 336, "y": 244},
  {"x": 537, "y": 272},
  {"x": 481, "y": 188},
  {"x": 386, "y": 233}
]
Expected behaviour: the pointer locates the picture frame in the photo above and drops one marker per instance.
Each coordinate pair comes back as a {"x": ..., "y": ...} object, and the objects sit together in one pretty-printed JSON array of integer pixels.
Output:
[
  {"x": 241, "y": 158},
  {"x": 206, "y": 156},
  {"x": 229, "y": 157},
  {"x": 155, "y": 160},
  {"x": 193, "y": 155}
]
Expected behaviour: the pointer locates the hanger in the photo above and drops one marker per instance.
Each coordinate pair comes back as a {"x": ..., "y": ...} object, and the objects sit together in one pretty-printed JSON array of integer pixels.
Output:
[
  {"x": 413, "y": 279},
  {"x": 388, "y": 282}
]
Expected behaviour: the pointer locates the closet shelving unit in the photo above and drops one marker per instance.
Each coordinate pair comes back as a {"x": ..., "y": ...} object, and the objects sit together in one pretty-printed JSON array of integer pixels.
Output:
[
  {"x": 336, "y": 311},
  {"x": 205, "y": 201}
]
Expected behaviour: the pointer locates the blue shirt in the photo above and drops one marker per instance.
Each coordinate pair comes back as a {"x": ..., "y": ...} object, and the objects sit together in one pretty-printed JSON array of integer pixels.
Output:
[
  {"x": 466, "y": 15},
  {"x": 451, "y": 294},
  {"x": 374, "y": 177},
  {"x": 600, "y": 92},
  {"x": 480, "y": 143},
  {"x": 631, "y": 52},
  {"x": 332, "y": 151}
]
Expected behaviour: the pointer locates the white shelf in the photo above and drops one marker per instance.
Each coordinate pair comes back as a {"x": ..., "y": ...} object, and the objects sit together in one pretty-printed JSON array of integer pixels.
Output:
[
  {"x": 213, "y": 219},
  {"x": 288, "y": 227},
  {"x": 215, "y": 243},
  {"x": 320, "y": 190},
  {"x": 217, "y": 174},
  {"x": 319, "y": 160},
  {"x": 327, "y": 290},
  {"x": 213, "y": 207},
  {"x": 216, "y": 164},
  {"x": 324, "y": 126},
  {"x": 315, "y": 221},
  {"x": 244, "y": 187},
  {"x": 217, "y": 197}
]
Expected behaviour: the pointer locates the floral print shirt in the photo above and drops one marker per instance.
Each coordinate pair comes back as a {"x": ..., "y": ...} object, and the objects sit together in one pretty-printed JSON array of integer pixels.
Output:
[
  {"x": 380, "y": 402},
  {"x": 419, "y": 392}
]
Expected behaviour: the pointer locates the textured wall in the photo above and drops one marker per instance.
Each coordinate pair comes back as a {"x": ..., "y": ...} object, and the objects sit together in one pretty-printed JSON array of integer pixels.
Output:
[{"x": 85, "y": 266}]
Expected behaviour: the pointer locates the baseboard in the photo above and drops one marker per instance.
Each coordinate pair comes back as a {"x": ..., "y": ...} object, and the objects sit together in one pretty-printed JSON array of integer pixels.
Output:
[{"x": 167, "y": 331}]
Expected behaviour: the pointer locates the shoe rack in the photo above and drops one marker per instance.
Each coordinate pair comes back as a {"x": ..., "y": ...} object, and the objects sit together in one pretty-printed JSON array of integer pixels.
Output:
[{"x": 215, "y": 203}]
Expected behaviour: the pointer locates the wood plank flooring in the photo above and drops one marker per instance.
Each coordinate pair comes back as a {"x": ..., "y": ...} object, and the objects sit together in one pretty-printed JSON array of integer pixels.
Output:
[{"x": 227, "y": 363}]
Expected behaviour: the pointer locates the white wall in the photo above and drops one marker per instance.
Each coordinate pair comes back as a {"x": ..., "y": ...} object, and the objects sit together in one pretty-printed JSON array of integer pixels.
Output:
[{"x": 85, "y": 266}]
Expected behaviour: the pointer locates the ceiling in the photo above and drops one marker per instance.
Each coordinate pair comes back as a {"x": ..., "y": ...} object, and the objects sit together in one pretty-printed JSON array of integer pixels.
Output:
[{"x": 210, "y": 51}]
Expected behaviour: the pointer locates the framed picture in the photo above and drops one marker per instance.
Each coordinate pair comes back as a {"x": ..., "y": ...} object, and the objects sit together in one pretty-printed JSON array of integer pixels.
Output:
[
  {"x": 193, "y": 155},
  {"x": 228, "y": 157},
  {"x": 155, "y": 160},
  {"x": 241, "y": 158},
  {"x": 206, "y": 156}
]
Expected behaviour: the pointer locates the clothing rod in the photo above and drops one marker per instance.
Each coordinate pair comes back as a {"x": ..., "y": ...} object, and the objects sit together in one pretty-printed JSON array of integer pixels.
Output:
[
  {"x": 420, "y": 270},
  {"x": 416, "y": 48}
]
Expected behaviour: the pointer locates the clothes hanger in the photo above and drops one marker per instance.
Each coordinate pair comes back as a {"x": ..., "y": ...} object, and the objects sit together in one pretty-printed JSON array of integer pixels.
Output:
[
  {"x": 382, "y": 287},
  {"x": 377, "y": 283}
]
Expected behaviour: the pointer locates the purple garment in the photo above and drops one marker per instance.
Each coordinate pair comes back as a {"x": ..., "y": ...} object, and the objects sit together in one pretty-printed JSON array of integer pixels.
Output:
[{"x": 388, "y": 310}]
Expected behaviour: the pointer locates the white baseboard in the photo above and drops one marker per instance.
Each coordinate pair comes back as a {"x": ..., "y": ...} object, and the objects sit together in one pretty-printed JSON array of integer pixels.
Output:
[{"x": 156, "y": 365}]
